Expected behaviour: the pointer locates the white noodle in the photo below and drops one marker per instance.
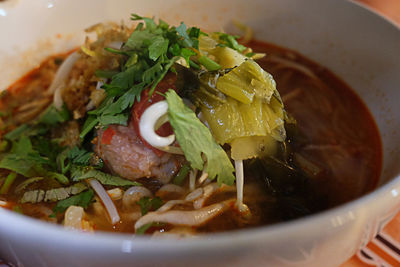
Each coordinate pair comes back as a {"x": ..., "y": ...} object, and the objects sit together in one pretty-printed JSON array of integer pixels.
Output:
[
  {"x": 292, "y": 64},
  {"x": 239, "y": 186},
  {"x": 203, "y": 176},
  {"x": 115, "y": 44},
  {"x": 208, "y": 190},
  {"x": 105, "y": 198},
  {"x": 100, "y": 84},
  {"x": 192, "y": 180},
  {"x": 187, "y": 218},
  {"x": 170, "y": 204},
  {"x": 195, "y": 194},
  {"x": 171, "y": 188},
  {"x": 59, "y": 81}
]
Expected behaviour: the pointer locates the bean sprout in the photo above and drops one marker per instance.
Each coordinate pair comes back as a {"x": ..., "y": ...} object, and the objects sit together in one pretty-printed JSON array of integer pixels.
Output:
[
  {"x": 60, "y": 78},
  {"x": 105, "y": 198},
  {"x": 239, "y": 187}
]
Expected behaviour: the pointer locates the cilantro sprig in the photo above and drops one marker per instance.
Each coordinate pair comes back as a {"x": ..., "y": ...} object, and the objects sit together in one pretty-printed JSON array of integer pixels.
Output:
[{"x": 148, "y": 54}]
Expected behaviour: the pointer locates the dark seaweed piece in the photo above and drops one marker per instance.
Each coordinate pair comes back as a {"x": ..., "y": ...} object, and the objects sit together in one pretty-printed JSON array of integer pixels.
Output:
[{"x": 292, "y": 187}]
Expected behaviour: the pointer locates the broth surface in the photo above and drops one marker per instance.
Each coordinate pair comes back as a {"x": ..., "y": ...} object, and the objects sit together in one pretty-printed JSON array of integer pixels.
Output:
[{"x": 336, "y": 141}]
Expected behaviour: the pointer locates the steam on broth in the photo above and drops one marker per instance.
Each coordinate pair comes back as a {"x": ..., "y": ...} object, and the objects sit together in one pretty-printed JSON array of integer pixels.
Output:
[{"x": 155, "y": 129}]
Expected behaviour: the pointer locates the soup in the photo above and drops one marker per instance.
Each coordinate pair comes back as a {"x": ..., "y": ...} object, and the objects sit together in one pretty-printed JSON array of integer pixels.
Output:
[{"x": 173, "y": 131}]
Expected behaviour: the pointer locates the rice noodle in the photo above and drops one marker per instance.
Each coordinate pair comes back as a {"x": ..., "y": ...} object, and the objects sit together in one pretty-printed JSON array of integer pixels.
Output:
[
  {"x": 203, "y": 175},
  {"x": 60, "y": 78},
  {"x": 291, "y": 64},
  {"x": 170, "y": 204},
  {"x": 192, "y": 180},
  {"x": 195, "y": 194},
  {"x": 291, "y": 95},
  {"x": 115, "y": 44},
  {"x": 37, "y": 104},
  {"x": 171, "y": 188},
  {"x": 186, "y": 218},
  {"x": 208, "y": 190},
  {"x": 105, "y": 198}
]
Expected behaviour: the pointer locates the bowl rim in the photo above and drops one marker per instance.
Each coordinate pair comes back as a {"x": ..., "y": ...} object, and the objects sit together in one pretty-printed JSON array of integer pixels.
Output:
[{"x": 38, "y": 230}]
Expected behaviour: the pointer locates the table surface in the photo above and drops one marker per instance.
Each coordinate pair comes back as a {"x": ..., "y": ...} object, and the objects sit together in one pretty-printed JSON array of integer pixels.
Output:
[{"x": 384, "y": 250}]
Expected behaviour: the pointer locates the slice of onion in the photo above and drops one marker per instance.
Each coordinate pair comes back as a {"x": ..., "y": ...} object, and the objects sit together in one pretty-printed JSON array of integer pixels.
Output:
[
  {"x": 105, "y": 198},
  {"x": 148, "y": 123}
]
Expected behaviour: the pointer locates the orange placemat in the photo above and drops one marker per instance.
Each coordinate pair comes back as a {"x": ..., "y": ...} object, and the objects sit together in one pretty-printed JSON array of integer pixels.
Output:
[{"x": 382, "y": 251}]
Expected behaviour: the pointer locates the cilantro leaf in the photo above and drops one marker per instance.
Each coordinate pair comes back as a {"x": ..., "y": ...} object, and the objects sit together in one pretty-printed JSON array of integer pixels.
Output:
[
  {"x": 158, "y": 47},
  {"x": 52, "y": 116},
  {"x": 79, "y": 173},
  {"x": 138, "y": 39},
  {"x": 106, "y": 120},
  {"x": 149, "y": 204},
  {"x": 17, "y": 132},
  {"x": 83, "y": 200},
  {"x": 22, "y": 158},
  {"x": 182, "y": 31},
  {"x": 182, "y": 174},
  {"x": 79, "y": 156},
  {"x": 196, "y": 140}
]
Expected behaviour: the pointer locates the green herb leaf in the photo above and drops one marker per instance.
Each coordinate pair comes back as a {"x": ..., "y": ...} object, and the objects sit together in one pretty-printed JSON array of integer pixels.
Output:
[
  {"x": 7, "y": 183},
  {"x": 149, "y": 204},
  {"x": 22, "y": 158},
  {"x": 17, "y": 132},
  {"x": 230, "y": 41},
  {"x": 182, "y": 31},
  {"x": 182, "y": 174},
  {"x": 83, "y": 200},
  {"x": 107, "y": 74},
  {"x": 196, "y": 140},
  {"x": 82, "y": 173},
  {"x": 52, "y": 195},
  {"x": 158, "y": 47},
  {"x": 79, "y": 156},
  {"x": 106, "y": 120},
  {"x": 52, "y": 116},
  {"x": 210, "y": 64}
]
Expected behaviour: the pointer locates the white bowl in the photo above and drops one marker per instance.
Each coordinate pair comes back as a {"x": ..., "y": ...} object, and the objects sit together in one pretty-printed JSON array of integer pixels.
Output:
[{"x": 359, "y": 46}]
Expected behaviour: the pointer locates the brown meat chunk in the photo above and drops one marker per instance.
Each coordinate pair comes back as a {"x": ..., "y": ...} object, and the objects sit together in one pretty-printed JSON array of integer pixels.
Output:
[{"x": 126, "y": 156}]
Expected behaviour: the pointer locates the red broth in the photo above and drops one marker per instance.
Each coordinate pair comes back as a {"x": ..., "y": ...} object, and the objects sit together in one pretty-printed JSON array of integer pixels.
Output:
[
  {"x": 338, "y": 141},
  {"x": 340, "y": 133}
]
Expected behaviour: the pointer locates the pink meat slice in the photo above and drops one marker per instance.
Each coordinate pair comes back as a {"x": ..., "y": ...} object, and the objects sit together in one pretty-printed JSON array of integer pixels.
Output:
[{"x": 127, "y": 156}]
